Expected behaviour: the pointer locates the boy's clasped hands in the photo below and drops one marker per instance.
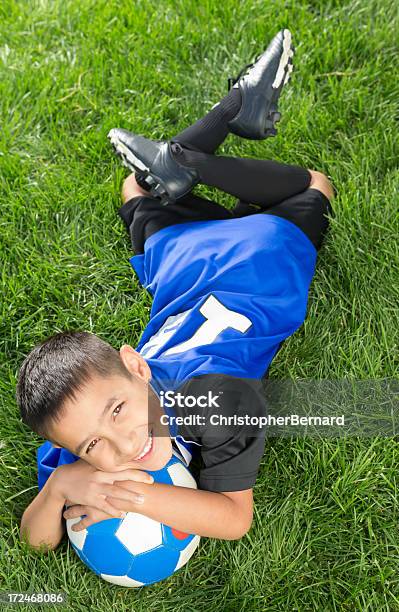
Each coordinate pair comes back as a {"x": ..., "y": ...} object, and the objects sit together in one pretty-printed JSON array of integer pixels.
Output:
[{"x": 97, "y": 494}]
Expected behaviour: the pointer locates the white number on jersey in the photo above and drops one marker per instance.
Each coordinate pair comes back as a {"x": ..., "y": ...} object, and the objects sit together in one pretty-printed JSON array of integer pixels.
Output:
[{"x": 217, "y": 318}]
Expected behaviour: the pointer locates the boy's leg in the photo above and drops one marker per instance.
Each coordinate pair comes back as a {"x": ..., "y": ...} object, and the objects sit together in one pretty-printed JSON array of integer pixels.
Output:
[
  {"x": 295, "y": 193},
  {"x": 258, "y": 181},
  {"x": 250, "y": 110},
  {"x": 309, "y": 210},
  {"x": 208, "y": 133},
  {"x": 143, "y": 215}
]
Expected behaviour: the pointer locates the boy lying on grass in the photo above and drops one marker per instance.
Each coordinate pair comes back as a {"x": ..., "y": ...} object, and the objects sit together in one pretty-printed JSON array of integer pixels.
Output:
[{"x": 228, "y": 288}]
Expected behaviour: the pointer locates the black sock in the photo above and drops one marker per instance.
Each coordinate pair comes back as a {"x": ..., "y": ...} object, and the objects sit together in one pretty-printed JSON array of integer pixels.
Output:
[
  {"x": 258, "y": 181},
  {"x": 208, "y": 133}
]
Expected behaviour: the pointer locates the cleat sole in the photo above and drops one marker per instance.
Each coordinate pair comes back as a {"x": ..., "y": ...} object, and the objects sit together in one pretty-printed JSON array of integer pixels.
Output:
[
  {"x": 284, "y": 59},
  {"x": 133, "y": 163}
]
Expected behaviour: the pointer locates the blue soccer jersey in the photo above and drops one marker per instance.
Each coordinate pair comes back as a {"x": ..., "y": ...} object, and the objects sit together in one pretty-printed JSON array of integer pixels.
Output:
[{"x": 226, "y": 293}]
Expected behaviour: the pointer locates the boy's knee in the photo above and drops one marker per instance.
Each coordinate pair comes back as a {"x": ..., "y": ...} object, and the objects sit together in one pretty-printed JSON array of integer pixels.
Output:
[
  {"x": 321, "y": 182},
  {"x": 130, "y": 189}
]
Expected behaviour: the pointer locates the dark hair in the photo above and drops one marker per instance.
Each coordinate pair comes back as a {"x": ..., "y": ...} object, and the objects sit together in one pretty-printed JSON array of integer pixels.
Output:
[{"x": 56, "y": 369}]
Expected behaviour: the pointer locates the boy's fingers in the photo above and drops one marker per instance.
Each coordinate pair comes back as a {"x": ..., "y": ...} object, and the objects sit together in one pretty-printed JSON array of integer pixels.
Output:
[
  {"x": 120, "y": 505},
  {"x": 116, "y": 511},
  {"x": 97, "y": 515},
  {"x": 133, "y": 505},
  {"x": 74, "y": 512},
  {"x": 135, "y": 475},
  {"x": 125, "y": 493},
  {"x": 126, "y": 485},
  {"x": 86, "y": 522}
]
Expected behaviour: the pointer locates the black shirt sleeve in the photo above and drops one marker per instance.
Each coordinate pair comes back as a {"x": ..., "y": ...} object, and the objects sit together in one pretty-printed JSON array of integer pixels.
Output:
[{"x": 230, "y": 452}]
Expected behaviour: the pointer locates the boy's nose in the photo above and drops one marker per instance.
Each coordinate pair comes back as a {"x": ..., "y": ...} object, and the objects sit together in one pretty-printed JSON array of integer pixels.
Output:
[{"x": 127, "y": 448}]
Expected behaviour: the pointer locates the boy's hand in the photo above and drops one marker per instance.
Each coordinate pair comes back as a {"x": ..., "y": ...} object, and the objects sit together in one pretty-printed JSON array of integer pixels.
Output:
[
  {"x": 83, "y": 485},
  {"x": 92, "y": 515}
]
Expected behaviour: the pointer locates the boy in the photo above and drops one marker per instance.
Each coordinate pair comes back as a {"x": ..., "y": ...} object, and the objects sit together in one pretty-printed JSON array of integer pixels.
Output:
[{"x": 227, "y": 288}]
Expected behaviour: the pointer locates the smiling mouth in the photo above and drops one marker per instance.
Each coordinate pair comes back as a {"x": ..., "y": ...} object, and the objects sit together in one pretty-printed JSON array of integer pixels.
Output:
[{"x": 147, "y": 448}]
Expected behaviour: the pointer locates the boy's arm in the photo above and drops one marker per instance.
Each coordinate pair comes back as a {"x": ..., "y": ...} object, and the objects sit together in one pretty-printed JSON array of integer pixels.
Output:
[
  {"x": 42, "y": 522},
  {"x": 227, "y": 516}
]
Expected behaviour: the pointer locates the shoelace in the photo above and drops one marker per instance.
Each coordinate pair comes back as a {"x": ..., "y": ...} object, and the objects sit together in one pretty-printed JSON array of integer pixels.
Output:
[{"x": 233, "y": 80}]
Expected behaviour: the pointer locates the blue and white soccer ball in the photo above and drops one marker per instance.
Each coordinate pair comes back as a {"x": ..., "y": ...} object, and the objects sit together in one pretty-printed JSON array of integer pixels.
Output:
[{"x": 136, "y": 550}]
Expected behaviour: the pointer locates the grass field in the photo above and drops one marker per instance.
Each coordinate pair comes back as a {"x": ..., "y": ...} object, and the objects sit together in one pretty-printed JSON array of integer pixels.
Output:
[{"x": 325, "y": 533}]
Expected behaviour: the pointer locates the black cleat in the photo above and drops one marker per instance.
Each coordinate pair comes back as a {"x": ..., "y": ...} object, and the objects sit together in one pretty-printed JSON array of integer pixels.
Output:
[
  {"x": 154, "y": 166},
  {"x": 260, "y": 89}
]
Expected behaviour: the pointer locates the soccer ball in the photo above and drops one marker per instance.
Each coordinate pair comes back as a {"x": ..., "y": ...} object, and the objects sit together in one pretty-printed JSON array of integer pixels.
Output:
[{"x": 136, "y": 550}]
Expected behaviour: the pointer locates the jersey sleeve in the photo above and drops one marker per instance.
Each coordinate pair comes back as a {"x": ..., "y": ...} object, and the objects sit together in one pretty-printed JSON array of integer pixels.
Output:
[
  {"x": 49, "y": 458},
  {"x": 230, "y": 453}
]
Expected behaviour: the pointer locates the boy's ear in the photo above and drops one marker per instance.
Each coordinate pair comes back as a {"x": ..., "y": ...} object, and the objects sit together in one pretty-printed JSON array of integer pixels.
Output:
[{"x": 134, "y": 362}]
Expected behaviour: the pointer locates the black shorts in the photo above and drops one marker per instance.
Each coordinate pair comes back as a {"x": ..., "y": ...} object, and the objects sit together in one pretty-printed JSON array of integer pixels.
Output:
[{"x": 143, "y": 216}]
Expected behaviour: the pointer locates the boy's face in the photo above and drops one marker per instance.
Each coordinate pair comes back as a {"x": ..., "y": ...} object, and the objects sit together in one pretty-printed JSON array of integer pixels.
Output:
[{"x": 114, "y": 420}]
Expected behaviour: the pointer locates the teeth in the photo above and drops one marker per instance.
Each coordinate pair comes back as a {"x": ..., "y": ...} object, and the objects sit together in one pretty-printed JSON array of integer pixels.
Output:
[{"x": 146, "y": 448}]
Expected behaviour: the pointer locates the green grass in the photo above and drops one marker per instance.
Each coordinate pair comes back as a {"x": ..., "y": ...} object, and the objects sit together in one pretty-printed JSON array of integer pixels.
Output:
[{"x": 325, "y": 534}]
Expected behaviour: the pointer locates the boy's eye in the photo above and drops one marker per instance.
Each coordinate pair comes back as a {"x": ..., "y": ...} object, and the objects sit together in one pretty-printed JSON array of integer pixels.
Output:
[
  {"x": 115, "y": 411},
  {"x": 90, "y": 447},
  {"x": 118, "y": 406}
]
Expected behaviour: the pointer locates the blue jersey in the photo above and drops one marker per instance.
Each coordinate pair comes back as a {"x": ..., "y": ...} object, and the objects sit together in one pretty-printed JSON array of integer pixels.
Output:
[{"x": 226, "y": 293}]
